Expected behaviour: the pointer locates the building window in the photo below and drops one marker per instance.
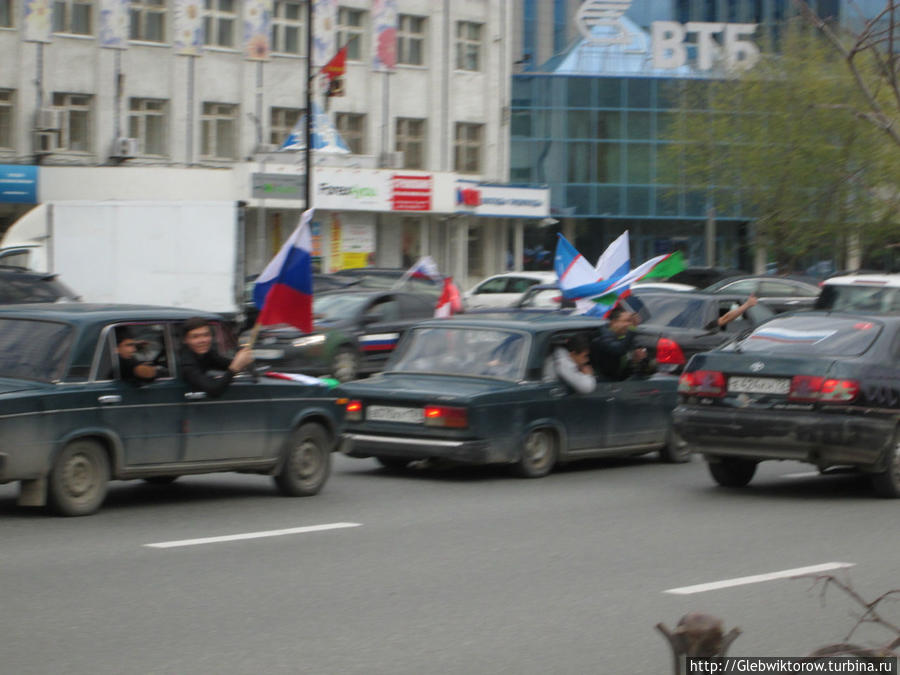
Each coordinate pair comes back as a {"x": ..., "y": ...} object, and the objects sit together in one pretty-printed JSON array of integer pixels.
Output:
[
  {"x": 411, "y": 141},
  {"x": 288, "y": 35},
  {"x": 218, "y": 131},
  {"x": 148, "y": 20},
  {"x": 74, "y": 134},
  {"x": 352, "y": 128},
  {"x": 6, "y": 13},
  {"x": 467, "y": 147},
  {"x": 219, "y": 20},
  {"x": 411, "y": 40},
  {"x": 281, "y": 123},
  {"x": 350, "y": 32},
  {"x": 147, "y": 119},
  {"x": 6, "y": 118},
  {"x": 72, "y": 16},
  {"x": 560, "y": 24},
  {"x": 468, "y": 45}
]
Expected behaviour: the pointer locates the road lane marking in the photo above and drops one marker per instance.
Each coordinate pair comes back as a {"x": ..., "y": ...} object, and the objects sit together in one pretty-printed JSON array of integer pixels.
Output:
[
  {"x": 252, "y": 535},
  {"x": 758, "y": 578}
]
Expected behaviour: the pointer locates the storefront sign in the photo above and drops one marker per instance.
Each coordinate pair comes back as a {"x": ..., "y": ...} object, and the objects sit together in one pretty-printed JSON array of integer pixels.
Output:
[
  {"x": 351, "y": 190},
  {"x": 357, "y": 244},
  {"x": 18, "y": 184},
  {"x": 411, "y": 192},
  {"x": 278, "y": 186},
  {"x": 502, "y": 201}
]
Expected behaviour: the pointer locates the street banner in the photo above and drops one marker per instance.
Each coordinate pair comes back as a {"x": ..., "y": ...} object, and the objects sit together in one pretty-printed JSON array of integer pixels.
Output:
[
  {"x": 257, "y": 29},
  {"x": 324, "y": 31},
  {"x": 384, "y": 37},
  {"x": 37, "y": 20},
  {"x": 189, "y": 35},
  {"x": 114, "y": 23}
]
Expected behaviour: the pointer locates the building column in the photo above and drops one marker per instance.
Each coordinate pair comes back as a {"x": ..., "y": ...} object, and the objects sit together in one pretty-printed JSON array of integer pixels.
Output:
[{"x": 518, "y": 245}]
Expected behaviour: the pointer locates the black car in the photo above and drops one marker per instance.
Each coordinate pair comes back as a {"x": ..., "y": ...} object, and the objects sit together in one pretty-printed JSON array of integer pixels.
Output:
[
  {"x": 679, "y": 325},
  {"x": 817, "y": 387},
  {"x": 780, "y": 294},
  {"x": 19, "y": 286},
  {"x": 354, "y": 333},
  {"x": 701, "y": 277}
]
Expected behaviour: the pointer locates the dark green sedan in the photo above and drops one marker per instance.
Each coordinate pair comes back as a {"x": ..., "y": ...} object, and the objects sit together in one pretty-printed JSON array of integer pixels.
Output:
[
  {"x": 476, "y": 389},
  {"x": 69, "y": 423}
]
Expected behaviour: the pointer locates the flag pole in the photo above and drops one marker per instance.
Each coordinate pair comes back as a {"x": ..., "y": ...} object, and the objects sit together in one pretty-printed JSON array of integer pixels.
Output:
[
  {"x": 307, "y": 153},
  {"x": 254, "y": 333}
]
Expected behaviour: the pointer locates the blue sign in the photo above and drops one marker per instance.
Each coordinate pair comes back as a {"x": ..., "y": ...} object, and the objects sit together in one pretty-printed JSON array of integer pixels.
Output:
[{"x": 18, "y": 184}]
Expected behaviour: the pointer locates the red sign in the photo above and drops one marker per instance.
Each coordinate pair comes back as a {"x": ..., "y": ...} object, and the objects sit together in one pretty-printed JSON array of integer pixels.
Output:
[{"x": 410, "y": 193}]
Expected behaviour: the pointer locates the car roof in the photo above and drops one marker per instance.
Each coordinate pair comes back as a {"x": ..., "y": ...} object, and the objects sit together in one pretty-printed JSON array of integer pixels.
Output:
[
  {"x": 78, "y": 311},
  {"x": 886, "y": 319},
  {"x": 524, "y": 321},
  {"x": 888, "y": 280},
  {"x": 365, "y": 290}
]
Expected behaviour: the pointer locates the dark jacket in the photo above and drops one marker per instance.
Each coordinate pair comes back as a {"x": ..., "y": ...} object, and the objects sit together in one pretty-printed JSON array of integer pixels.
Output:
[
  {"x": 609, "y": 353},
  {"x": 127, "y": 374},
  {"x": 195, "y": 371}
]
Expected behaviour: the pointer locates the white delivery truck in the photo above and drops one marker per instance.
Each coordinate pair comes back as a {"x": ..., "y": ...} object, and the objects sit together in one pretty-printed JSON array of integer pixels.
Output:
[{"x": 179, "y": 254}]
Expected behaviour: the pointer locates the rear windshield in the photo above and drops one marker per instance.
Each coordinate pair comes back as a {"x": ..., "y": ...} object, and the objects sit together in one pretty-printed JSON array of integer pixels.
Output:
[
  {"x": 860, "y": 298},
  {"x": 812, "y": 336},
  {"x": 34, "y": 350},
  {"x": 671, "y": 309}
]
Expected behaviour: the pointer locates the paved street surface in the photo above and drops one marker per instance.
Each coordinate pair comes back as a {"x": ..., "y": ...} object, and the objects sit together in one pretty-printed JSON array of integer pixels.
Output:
[{"x": 462, "y": 571}]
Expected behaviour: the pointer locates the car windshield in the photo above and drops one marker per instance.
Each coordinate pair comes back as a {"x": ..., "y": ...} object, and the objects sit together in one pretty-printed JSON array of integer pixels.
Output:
[
  {"x": 674, "y": 310},
  {"x": 33, "y": 350},
  {"x": 463, "y": 351},
  {"x": 338, "y": 306},
  {"x": 812, "y": 336},
  {"x": 861, "y": 298}
]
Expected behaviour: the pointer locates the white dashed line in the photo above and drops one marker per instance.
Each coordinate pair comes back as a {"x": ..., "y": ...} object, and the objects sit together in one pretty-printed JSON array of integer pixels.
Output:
[
  {"x": 758, "y": 578},
  {"x": 252, "y": 535}
]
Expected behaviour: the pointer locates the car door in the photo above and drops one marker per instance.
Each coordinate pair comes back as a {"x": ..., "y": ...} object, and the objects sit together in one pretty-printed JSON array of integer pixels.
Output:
[
  {"x": 232, "y": 426},
  {"x": 637, "y": 414},
  {"x": 147, "y": 418},
  {"x": 782, "y": 296},
  {"x": 489, "y": 293},
  {"x": 381, "y": 322}
]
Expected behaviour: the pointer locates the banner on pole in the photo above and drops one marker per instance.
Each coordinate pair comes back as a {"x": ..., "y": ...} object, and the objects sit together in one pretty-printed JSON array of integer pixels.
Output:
[
  {"x": 114, "y": 23},
  {"x": 189, "y": 34},
  {"x": 257, "y": 29},
  {"x": 384, "y": 42}
]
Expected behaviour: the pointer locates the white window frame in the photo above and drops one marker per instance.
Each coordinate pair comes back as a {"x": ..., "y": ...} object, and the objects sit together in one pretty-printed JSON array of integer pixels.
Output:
[
  {"x": 281, "y": 123},
  {"x": 142, "y": 110},
  {"x": 469, "y": 47},
  {"x": 74, "y": 106},
  {"x": 354, "y": 137},
  {"x": 140, "y": 11},
  {"x": 404, "y": 138},
  {"x": 281, "y": 24},
  {"x": 213, "y": 115},
  {"x": 347, "y": 30},
  {"x": 218, "y": 22},
  {"x": 7, "y": 117},
  {"x": 64, "y": 25},
  {"x": 466, "y": 148},
  {"x": 406, "y": 36}
]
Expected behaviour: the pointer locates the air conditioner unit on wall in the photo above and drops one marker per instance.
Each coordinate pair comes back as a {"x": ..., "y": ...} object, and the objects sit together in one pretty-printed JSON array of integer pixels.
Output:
[
  {"x": 126, "y": 147},
  {"x": 48, "y": 119},
  {"x": 44, "y": 142}
]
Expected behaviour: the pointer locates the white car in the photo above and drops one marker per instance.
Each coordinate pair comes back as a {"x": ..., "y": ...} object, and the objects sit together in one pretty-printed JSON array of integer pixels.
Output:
[
  {"x": 874, "y": 293},
  {"x": 503, "y": 290}
]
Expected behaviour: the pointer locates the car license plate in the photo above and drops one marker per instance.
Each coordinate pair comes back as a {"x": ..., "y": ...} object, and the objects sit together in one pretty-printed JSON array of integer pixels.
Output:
[
  {"x": 383, "y": 413},
  {"x": 759, "y": 385}
]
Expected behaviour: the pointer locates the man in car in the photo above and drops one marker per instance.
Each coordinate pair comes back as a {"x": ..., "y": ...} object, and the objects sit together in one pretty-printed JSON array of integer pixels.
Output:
[
  {"x": 199, "y": 358},
  {"x": 732, "y": 314},
  {"x": 130, "y": 369},
  {"x": 613, "y": 355},
  {"x": 571, "y": 364}
]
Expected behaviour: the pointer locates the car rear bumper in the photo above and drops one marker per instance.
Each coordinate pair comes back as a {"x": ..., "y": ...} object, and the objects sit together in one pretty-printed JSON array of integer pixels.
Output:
[
  {"x": 368, "y": 445},
  {"x": 824, "y": 439}
]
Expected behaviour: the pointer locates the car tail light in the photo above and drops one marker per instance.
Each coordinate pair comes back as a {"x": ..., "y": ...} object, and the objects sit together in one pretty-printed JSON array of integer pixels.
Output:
[
  {"x": 813, "y": 389},
  {"x": 706, "y": 383},
  {"x": 353, "y": 410},
  {"x": 445, "y": 416},
  {"x": 669, "y": 352}
]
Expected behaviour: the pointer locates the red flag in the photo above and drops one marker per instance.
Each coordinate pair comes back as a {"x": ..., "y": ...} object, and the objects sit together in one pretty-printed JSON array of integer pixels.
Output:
[
  {"x": 337, "y": 66},
  {"x": 449, "y": 303}
]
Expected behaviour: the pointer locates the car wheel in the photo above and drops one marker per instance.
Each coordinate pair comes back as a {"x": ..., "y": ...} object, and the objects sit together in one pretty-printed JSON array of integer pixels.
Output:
[
  {"x": 307, "y": 462},
  {"x": 732, "y": 471},
  {"x": 79, "y": 479},
  {"x": 393, "y": 463},
  {"x": 538, "y": 454},
  {"x": 676, "y": 450},
  {"x": 345, "y": 365},
  {"x": 887, "y": 483},
  {"x": 160, "y": 480}
]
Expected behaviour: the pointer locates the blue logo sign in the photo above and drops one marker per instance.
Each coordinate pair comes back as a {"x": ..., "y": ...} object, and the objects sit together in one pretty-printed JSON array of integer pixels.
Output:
[{"x": 18, "y": 184}]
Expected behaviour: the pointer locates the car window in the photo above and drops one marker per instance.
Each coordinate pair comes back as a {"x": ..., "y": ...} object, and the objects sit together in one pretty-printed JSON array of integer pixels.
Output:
[
  {"x": 337, "y": 306},
  {"x": 543, "y": 298},
  {"x": 152, "y": 341},
  {"x": 15, "y": 258},
  {"x": 412, "y": 307},
  {"x": 495, "y": 285},
  {"x": 520, "y": 284},
  {"x": 742, "y": 287},
  {"x": 776, "y": 289},
  {"x": 385, "y": 310},
  {"x": 16, "y": 289},
  {"x": 861, "y": 298},
  {"x": 813, "y": 336},
  {"x": 34, "y": 350},
  {"x": 460, "y": 350},
  {"x": 675, "y": 310},
  {"x": 804, "y": 291}
]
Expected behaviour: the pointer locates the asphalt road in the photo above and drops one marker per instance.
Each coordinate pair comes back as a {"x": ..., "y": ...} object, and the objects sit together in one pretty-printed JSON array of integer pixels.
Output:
[{"x": 459, "y": 571}]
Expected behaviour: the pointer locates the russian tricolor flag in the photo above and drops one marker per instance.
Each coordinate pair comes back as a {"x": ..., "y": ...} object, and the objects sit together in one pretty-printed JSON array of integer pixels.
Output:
[{"x": 283, "y": 292}]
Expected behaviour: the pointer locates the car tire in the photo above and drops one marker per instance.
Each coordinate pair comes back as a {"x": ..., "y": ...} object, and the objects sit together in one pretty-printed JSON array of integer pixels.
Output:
[
  {"x": 887, "y": 483},
  {"x": 732, "y": 471},
  {"x": 345, "y": 366},
  {"x": 79, "y": 479},
  {"x": 306, "y": 463},
  {"x": 392, "y": 463},
  {"x": 538, "y": 454},
  {"x": 676, "y": 450},
  {"x": 160, "y": 480}
]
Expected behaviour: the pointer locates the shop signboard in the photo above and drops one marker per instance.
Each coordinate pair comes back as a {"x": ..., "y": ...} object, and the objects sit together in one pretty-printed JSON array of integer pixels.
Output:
[
  {"x": 502, "y": 201},
  {"x": 18, "y": 184},
  {"x": 278, "y": 186},
  {"x": 351, "y": 190},
  {"x": 411, "y": 192}
]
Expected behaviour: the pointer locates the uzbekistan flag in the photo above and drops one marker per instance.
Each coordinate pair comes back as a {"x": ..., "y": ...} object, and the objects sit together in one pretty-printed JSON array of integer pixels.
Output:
[
  {"x": 660, "y": 267},
  {"x": 283, "y": 292}
]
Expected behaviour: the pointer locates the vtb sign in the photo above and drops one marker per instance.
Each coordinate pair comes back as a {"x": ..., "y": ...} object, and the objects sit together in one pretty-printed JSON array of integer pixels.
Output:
[{"x": 669, "y": 50}]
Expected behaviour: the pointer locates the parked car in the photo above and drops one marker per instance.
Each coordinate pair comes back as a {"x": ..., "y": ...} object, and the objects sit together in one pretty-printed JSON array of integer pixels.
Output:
[
  {"x": 780, "y": 294},
  {"x": 354, "y": 333},
  {"x": 701, "y": 277},
  {"x": 472, "y": 389},
  {"x": 817, "y": 387},
  {"x": 69, "y": 424},
  {"x": 19, "y": 286},
  {"x": 389, "y": 278},
  {"x": 876, "y": 293},
  {"x": 681, "y": 324},
  {"x": 503, "y": 290}
]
